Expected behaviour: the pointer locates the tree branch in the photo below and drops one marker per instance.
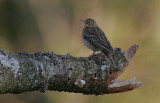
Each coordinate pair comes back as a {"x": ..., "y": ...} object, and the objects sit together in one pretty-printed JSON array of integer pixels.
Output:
[{"x": 21, "y": 72}]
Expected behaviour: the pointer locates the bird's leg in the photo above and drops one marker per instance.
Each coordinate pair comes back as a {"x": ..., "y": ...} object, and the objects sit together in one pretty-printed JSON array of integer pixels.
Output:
[
  {"x": 101, "y": 55},
  {"x": 93, "y": 53}
]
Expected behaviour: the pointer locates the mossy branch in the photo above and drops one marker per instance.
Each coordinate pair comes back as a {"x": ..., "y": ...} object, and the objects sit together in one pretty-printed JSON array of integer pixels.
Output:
[{"x": 21, "y": 72}]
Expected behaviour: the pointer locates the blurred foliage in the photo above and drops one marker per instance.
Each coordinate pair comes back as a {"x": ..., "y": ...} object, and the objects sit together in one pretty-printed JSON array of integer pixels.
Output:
[{"x": 54, "y": 25}]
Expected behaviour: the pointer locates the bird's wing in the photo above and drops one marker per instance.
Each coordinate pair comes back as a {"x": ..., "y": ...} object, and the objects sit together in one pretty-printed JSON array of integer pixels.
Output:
[
  {"x": 105, "y": 40},
  {"x": 99, "y": 42}
]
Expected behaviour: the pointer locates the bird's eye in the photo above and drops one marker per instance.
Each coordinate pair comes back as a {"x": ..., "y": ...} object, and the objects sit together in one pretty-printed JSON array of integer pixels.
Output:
[{"x": 89, "y": 22}]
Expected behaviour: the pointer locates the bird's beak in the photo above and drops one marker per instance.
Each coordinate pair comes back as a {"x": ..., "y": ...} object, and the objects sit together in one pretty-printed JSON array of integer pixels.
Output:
[{"x": 82, "y": 20}]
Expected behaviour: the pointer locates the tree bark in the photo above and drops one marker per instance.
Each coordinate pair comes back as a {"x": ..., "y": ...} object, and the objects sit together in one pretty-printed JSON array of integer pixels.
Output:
[{"x": 21, "y": 72}]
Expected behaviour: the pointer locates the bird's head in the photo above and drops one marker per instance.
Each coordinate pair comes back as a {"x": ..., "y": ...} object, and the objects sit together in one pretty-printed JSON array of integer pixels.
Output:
[{"x": 89, "y": 22}]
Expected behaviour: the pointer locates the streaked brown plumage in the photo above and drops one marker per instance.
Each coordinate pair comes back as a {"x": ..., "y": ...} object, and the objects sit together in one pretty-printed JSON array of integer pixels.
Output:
[{"x": 94, "y": 38}]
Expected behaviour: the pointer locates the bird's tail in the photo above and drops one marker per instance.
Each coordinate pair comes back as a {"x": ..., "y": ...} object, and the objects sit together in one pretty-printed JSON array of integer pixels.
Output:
[{"x": 109, "y": 55}]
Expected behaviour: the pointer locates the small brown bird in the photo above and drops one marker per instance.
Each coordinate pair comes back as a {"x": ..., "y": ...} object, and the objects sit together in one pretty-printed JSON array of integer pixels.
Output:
[{"x": 94, "y": 38}]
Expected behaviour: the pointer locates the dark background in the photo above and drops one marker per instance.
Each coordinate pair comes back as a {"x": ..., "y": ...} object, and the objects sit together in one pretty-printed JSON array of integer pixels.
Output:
[{"x": 54, "y": 25}]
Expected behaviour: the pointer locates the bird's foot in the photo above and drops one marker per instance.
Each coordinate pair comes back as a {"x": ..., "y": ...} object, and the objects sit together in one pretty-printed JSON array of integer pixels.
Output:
[{"x": 93, "y": 54}]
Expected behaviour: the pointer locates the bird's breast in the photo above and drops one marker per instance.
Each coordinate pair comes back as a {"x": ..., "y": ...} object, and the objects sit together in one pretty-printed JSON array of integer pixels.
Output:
[{"x": 87, "y": 43}]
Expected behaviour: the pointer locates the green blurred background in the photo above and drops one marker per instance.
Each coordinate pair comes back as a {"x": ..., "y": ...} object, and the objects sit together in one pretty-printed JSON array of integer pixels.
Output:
[{"x": 54, "y": 25}]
